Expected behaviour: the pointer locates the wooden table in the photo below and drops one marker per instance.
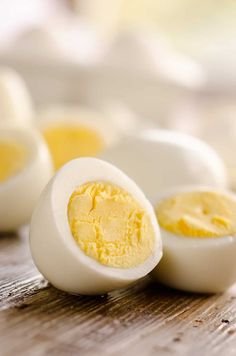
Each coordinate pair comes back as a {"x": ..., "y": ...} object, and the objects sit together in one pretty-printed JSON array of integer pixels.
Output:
[{"x": 146, "y": 319}]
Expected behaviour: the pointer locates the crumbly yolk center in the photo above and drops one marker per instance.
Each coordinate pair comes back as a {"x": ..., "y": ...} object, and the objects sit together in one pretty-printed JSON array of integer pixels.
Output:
[
  {"x": 110, "y": 226},
  {"x": 198, "y": 214},
  {"x": 13, "y": 158},
  {"x": 68, "y": 142}
]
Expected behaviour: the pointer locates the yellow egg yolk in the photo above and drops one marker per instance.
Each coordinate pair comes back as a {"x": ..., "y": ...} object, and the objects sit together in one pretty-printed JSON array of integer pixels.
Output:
[
  {"x": 110, "y": 226},
  {"x": 13, "y": 158},
  {"x": 68, "y": 142},
  {"x": 198, "y": 214}
]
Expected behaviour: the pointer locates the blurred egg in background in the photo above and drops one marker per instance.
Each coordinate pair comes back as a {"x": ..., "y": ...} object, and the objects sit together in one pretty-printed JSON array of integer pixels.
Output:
[
  {"x": 73, "y": 132},
  {"x": 103, "y": 78},
  {"x": 16, "y": 105},
  {"x": 25, "y": 169}
]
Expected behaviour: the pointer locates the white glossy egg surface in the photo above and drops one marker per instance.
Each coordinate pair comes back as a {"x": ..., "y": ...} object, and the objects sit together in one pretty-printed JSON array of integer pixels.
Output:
[
  {"x": 16, "y": 106},
  {"x": 158, "y": 160},
  {"x": 54, "y": 250}
]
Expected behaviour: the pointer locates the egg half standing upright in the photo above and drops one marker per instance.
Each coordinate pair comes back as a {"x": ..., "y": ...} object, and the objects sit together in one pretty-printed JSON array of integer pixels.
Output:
[
  {"x": 16, "y": 107},
  {"x": 160, "y": 159},
  {"x": 93, "y": 230},
  {"x": 198, "y": 228},
  {"x": 25, "y": 168},
  {"x": 73, "y": 132}
]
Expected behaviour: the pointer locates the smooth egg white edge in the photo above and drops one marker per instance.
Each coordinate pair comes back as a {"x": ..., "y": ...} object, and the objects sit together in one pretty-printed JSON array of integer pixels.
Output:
[
  {"x": 54, "y": 250},
  {"x": 15, "y": 99},
  {"x": 195, "y": 264},
  {"x": 158, "y": 160},
  {"x": 20, "y": 192}
]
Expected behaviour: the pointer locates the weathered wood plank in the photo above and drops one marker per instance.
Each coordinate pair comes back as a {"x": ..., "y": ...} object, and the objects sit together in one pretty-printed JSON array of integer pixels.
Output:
[{"x": 146, "y": 319}]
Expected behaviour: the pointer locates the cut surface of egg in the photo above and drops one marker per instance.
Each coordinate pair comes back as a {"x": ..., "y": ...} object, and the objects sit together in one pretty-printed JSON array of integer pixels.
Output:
[
  {"x": 16, "y": 106},
  {"x": 74, "y": 132},
  {"x": 25, "y": 168},
  {"x": 160, "y": 159},
  {"x": 198, "y": 228},
  {"x": 93, "y": 230}
]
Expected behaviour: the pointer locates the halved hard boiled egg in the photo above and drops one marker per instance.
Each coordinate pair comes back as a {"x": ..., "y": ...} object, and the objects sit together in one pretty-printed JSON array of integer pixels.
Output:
[
  {"x": 160, "y": 159},
  {"x": 16, "y": 106},
  {"x": 93, "y": 230},
  {"x": 198, "y": 228},
  {"x": 72, "y": 132},
  {"x": 25, "y": 168}
]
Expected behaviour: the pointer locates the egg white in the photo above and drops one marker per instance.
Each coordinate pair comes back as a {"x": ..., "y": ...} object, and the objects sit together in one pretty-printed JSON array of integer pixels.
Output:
[
  {"x": 16, "y": 107},
  {"x": 19, "y": 193},
  {"x": 160, "y": 159},
  {"x": 54, "y": 250},
  {"x": 194, "y": 264},
  {"x": 147, "y": 53}
]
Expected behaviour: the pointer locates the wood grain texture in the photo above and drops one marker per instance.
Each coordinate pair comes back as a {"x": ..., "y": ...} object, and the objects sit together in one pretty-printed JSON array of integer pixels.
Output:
[{"x": 146, "y": 319}]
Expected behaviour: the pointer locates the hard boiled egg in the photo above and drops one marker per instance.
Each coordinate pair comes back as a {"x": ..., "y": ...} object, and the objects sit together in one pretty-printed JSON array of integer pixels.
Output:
[
  {"x": 72, "y": 132},
  {"x": 198, "y": 228},
  {"x": 93, "y": 230},
  {"x": 15, "y": 101},
  {"x": 25, "y": 168},
  {"x": 149, "y": 53},
  {"x": 159, "y": 159}
]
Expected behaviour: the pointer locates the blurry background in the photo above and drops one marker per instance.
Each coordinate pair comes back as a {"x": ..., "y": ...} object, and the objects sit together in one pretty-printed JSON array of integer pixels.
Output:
[{"x": 169, "y": 64}]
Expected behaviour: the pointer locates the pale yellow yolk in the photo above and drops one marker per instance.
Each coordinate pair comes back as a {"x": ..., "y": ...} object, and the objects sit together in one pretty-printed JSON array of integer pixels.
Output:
[
  {"x": 13, "y": 158},
  {"x": 198, "y": 214},
  {"x": 69, "y": 142},
  {"x": 110, "y": 226}
]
